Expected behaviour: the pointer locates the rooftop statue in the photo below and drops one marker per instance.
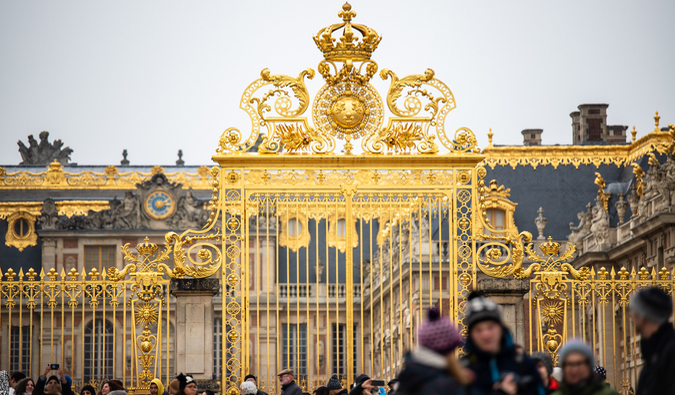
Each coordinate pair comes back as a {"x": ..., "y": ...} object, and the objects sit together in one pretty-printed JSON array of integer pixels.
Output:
[{"x": 45, "y": 152}]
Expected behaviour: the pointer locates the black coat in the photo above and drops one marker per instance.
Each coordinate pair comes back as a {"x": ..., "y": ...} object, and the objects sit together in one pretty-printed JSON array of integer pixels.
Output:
[
  {"x": 40, "y": 387},
  {"x": 261, "y": 392},
  {"x": 492, "y": 368},
  {"x": 291, "y": 389},
  {"x": 658, "y": 372},
  {"x": 425, "y": 373}
]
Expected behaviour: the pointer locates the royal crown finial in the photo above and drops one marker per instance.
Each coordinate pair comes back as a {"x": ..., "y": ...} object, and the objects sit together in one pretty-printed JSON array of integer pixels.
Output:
[
  {"x": 550, "y": 247},
  {"x": 348, "y": 46}
]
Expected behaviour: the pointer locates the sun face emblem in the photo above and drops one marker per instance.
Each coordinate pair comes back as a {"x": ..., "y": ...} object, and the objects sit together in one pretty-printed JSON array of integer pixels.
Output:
[{"x": 146, "y": 314}]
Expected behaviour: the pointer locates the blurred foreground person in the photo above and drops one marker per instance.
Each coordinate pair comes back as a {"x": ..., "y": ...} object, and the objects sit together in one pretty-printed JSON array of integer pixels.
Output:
[
  {"x": 650, "y": 310},
  {"x": 287, "y": 381},
  {"x": 577, "y": 361},
  {"x": 491, "y": 354},
  {"x": 432, "y": 367},
  {"x": 544, "y": 365}
]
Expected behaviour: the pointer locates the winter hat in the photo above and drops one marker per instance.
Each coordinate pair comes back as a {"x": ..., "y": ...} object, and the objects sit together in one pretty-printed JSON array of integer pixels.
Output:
[
  {"x": 174, "y": 387},
  {"x": 576, "y": 345},
  {"x": 480, "y": 309},
  {"x": 89, "y": 388},
  {"x": 334, "y": 383},
  {"x": 653, "y": 304},
  {"x": 545, "y": 359},
  {"x": 160, "y": 386},
  {"x": 53, "y": 377},
  {"x": 601, "y": 371},
  {"x": 184, "y": 380},
  {"x": 248, "y": 387},
  {"x": 250, "y": 376},
  {"x": 438, "y": 333},
  {"x": 360, "y": 379}
]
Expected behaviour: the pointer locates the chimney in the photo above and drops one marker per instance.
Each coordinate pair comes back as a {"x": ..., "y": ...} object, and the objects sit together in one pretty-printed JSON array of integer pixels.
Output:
[
  {"x": 593, "y": 122},
  {"x": 532, "y": 136},
  {"x": 576, "y": 127}
]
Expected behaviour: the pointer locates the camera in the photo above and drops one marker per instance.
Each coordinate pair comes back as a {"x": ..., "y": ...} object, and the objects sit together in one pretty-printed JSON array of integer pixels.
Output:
[
  {"x": 377, "y": 383},
  {"x": 54, "y": 366}
]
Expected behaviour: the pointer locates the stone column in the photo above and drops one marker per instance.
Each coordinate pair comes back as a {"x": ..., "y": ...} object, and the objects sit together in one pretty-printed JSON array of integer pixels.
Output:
[
  {"x": 194, "y": 328},
  {"x": 508, "y": 293}
]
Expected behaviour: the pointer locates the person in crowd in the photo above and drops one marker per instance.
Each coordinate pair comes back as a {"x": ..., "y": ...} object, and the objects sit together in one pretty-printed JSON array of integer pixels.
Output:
[
  {"x": 24, "y": 386},
  {"x": 55, "y": 384},
  {"x": 248, "y": 388},
  {"x": 156, "y": 387},
  {"x": 334, "y": 386},
  {"x": 254, "y": 380},
  {"x": 14, "y": 379},
  {"x": 491, "y": 356},
  {"x": 393, "y": 385},
  {"x": 432, "y": 367},
  {"x": 4, "y": 382},
  {"x": 650, "y": 310},
  {"x": 187, "y": 385},
  {"x": 174, "y": 387},
  {"x": 88, "y": 390},
  {"x": 544, "y": 365},
  {"x": 577, "y": 361},
  {"x": 320, "y": 391},
  {"x": 287, "y": 381},
  {"x": 363, "y": 386},
  {"x": 519, "y": 349},
  {"x": 600, "y": 371},
  {"x": 104, "y": 389}
]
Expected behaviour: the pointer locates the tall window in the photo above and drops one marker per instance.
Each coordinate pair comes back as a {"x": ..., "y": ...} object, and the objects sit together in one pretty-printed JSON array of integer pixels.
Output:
[
  {"x": 295, "y": 348},
  {"x": 99, "y": 257},
  {"x": 339, "y": 343},
  {"x": 496, "y": 217},
  {"x": 98, "y": 350},
  {"x": 217, "y": 347},
  {"x": 342, "y": 228},
  {"x": 20, "y": 349}
]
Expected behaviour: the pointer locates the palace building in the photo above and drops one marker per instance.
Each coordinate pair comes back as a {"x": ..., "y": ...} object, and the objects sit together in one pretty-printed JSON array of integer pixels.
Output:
[{"x": 284, "y": 253}]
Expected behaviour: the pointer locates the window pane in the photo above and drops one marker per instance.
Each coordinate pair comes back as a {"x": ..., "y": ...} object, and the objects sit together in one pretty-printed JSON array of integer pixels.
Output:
[
  {"x": 342, "y": 228},
  {"x": 294, "y": 227},
  {"x": 98, "y": 350}
]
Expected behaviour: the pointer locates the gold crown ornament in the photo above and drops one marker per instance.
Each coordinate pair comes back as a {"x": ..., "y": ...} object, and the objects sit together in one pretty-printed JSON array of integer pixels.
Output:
[{"x": 347, "y": 46}]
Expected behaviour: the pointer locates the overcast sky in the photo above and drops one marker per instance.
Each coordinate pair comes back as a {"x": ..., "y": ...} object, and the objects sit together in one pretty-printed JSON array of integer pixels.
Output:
[{"x": 157, "y": 76}]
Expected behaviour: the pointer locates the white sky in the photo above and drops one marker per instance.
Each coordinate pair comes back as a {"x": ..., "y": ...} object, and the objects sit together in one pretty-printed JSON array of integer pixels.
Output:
[{"x": 157, "y": 76}]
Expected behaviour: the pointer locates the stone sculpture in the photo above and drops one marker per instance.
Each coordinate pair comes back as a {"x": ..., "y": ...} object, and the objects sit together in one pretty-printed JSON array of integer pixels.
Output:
[{"x": 45, "y": 152}]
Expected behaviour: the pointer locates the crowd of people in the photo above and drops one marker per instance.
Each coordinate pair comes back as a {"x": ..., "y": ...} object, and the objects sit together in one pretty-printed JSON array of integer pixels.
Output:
[{"x": 492, "y": 363}]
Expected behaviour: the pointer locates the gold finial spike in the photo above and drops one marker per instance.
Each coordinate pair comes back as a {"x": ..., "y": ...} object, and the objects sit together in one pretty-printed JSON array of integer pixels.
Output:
[
  {"x": 656, "y": 121},
  {"x": 633, "y": 132},
  {"x": 347, "y": 14},
  {"x": 490, "y": 134}
]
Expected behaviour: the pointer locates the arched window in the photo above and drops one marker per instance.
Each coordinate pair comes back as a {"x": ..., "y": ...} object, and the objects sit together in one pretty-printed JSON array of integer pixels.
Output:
[
  {"x": 342, "y": 227},
  {"x": 98, "y": 350}
]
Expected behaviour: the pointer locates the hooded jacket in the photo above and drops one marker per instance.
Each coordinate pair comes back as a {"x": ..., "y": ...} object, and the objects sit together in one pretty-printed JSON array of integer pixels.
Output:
[
  {"x": 594, "y": 386},
  {"x": 492, "y": 368},
  {"x": 160, "y": 386},
  {"x": 658, "y": 372},
  {"x": 426, "y": 373}
]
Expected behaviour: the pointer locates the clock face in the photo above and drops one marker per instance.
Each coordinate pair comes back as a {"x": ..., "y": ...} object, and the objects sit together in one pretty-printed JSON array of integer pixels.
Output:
[{"x": 159, "y": 205}]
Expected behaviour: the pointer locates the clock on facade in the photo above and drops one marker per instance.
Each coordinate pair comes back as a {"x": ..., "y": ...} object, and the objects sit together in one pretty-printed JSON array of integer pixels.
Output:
[{"x": 159, "y": 205}]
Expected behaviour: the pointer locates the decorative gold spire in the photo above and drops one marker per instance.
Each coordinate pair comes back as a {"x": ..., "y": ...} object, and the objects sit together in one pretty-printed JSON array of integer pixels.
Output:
[
  {"x": 348, "y": 46},
  {"x": 634, "y": 133},
  {"x": 656, "y": 122},
  {"x": 490, "y": 134}
]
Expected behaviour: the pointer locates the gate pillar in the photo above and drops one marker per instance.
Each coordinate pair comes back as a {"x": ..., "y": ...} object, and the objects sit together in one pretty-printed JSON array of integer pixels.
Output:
[
  {"x": 508, "y": 293},
  {"x": 194, "y": 328}
]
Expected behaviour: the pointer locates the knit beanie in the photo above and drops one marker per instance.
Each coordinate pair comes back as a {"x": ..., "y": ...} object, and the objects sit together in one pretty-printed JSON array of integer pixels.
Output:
[
  {"x": 545, "y": 359},
  {"x": 653, "y": 304},
  {"x": 334, "y": 383},
  {"x": 438, "y": 333},
  {"x": 360, "y": 379},
  {"x": 250, "y": 376},
  {"x": 576, "y": 345},
  {"x": 480, "y": 309},
  {"x": 53, "y": 377},
  {"x": 248, "y": 387},
  {"x": 184, "y": 380},
  {"x": 89, "y": 388}
]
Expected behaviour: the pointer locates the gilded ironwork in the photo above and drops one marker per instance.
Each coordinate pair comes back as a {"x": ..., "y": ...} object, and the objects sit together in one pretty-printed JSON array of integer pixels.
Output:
[
  {"x": 21, "y": 230},
  {"x": 111, "y": 178}
]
